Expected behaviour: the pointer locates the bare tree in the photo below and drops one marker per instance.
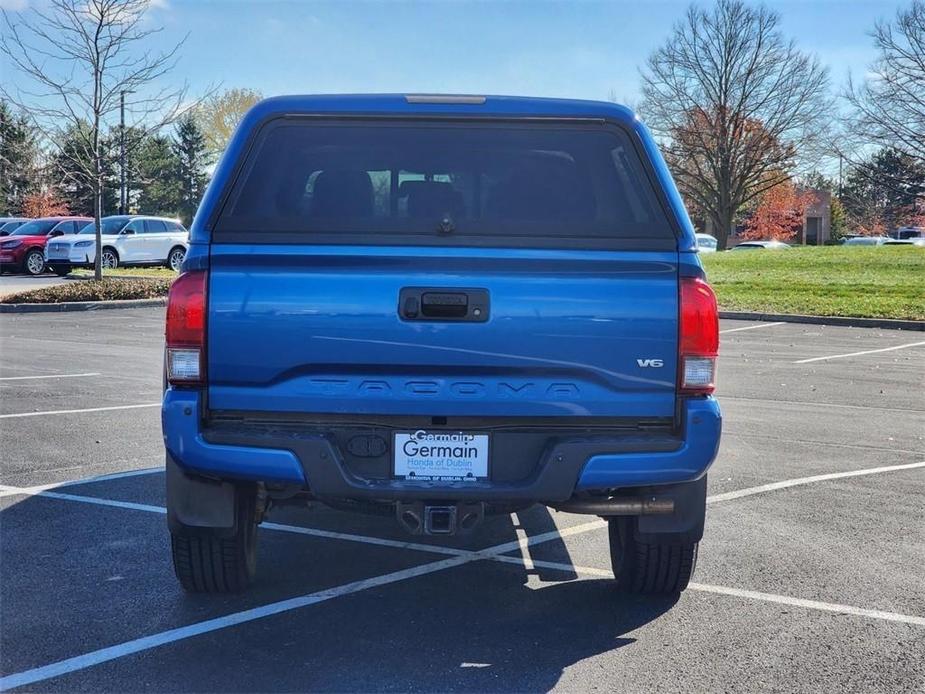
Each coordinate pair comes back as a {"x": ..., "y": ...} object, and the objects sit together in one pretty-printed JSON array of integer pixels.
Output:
[
  {"x": 79, "y": 59},
  {"x": 889, "y": 106},
  {"x": 735, "y": 106}
]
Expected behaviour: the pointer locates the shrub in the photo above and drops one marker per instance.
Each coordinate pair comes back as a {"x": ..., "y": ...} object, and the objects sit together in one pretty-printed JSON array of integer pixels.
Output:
[{"x": 91, "y": 290}]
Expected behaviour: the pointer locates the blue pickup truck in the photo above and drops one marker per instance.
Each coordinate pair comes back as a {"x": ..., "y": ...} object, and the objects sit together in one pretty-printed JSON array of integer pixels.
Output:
[{"x": 436, "y": 309}]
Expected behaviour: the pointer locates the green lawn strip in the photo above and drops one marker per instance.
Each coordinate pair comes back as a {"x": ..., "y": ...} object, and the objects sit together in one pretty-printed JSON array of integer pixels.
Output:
[
  {"x": 872, "y": 282},
  {"x": 91, "y": 290},
  {"x": 152, "y": 272}
]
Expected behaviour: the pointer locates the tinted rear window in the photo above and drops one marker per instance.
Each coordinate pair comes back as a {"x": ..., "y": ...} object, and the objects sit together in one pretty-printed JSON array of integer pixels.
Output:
[
  {"x": 473, "y": 182},
  {"x": 155, "y": 226}
]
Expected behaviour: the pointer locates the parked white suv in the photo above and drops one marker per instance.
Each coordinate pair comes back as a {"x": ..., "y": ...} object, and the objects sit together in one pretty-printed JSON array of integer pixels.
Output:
[{"x": 127, "y": 240}]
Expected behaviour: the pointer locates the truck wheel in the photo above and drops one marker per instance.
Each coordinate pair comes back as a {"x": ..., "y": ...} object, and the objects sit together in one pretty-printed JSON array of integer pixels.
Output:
[
  {"x": 648, "y": 568},
  {"x": 207, "y": 562}
]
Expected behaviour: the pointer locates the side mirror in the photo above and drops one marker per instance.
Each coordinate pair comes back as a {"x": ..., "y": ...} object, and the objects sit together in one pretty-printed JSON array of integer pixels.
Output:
[{"x": 128, "y": 231}]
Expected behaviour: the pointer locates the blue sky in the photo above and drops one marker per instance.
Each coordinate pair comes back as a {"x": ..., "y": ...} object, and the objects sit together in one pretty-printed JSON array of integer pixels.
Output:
[{"x": 568, "y": 49}]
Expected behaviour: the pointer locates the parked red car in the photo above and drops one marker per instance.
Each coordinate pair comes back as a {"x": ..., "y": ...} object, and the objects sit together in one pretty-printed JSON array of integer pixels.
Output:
[{"x": 24, "y": 249}]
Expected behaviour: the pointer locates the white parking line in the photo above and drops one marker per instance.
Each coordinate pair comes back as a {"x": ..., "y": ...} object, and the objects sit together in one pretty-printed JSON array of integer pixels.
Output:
[
  {"x": 145, "y": 643},
  {"x": 88, "y": 409},
  {"x": 810, "y": 604},
  {"x": 45, "y": 490},
  {"x": 9, "y": 491},
  {"x": 463, "y": 557},
  {"x": 857, "y": 354},
  {"x": 32, "y": 378},
  {"x": 750, "y": 327},
  {"x": 6, "y": 490},
  {"x": 785, "y": 484},
  {"x": 739, "y": 593},
  {"x": 365, "y": 539}
]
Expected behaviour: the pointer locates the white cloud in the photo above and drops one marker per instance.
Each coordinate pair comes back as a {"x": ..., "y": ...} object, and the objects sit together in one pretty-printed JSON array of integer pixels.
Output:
[{"x": 13, "y": 5}]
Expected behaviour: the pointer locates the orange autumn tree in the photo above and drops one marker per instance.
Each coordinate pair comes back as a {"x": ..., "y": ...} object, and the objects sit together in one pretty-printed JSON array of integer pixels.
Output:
[
  {"x": 779, "y": 214},
  {"x": 45, "y": 204}
]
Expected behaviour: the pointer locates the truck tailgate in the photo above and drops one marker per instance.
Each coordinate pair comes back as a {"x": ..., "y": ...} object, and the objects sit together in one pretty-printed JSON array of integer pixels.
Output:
[{"x": 319, "y": 329}]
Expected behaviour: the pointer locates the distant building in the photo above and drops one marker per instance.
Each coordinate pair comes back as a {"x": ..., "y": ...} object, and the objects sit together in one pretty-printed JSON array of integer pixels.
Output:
[
  {"x": 817, "y": 223},
  {"x": 817, "y": 220}
]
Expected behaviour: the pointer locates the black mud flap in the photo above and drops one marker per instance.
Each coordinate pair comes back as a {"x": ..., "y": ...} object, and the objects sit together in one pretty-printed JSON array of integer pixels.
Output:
[
  {"x": 685, "y": 525},
  {"x": 197, "y": 505}
]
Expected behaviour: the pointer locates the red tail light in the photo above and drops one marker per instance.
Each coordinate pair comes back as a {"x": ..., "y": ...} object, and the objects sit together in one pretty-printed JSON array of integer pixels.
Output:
[
  {"x": 698, "y": 342},
  {"x": 186, "y": 329}
]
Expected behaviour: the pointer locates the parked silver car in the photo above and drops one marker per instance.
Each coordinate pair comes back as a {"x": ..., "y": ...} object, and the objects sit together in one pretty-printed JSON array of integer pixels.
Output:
[
  {"x": 706, "y": 243},
  {"x": 865, "y": 241},
  {"x": 127, "y": 240},
  {"x": 758, "y": 245}
]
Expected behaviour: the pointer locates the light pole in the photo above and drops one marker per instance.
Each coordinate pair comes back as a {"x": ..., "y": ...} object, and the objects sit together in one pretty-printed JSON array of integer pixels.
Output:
[
  {"x": 839, "y": 175},
  {"x": 123, "y": 192}
]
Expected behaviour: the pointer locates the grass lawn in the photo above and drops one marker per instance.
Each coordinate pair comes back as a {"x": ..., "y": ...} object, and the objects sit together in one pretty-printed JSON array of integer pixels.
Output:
[
  {"x": 148, "y": 272},
  {"x": 875, "y": 282}
]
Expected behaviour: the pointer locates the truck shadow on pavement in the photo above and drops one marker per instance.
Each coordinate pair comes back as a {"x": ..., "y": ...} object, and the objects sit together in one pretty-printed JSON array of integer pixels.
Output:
[{"x": 481, "y": 626}]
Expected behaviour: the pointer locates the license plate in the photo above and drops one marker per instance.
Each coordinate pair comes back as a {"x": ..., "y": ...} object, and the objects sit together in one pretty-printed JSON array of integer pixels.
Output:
[{"x": 440, "y": 455}]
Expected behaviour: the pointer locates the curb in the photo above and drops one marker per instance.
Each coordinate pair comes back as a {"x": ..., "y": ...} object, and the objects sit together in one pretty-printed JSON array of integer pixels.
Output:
[
  {"x": 81, "y": 306},
  {"x": 843, "y": 321}
]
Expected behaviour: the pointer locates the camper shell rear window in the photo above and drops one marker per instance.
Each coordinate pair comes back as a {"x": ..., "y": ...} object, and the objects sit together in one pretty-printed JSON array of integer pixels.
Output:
[{"x": 530, "y": 184}]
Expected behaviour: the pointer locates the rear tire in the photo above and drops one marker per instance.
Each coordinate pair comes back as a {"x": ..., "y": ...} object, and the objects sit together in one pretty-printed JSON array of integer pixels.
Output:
[
  {"x": 649, "y": 568},
  {"x": 207, "y": 562}
]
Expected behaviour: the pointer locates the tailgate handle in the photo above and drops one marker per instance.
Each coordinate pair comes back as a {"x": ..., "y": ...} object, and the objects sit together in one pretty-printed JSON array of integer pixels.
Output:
[
  {"x": 450, "y": 304},
  {"x": 444, "y": 304}
]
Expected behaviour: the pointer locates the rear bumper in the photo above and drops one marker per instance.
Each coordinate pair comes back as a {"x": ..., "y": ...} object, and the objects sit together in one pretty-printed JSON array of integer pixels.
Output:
[{"x": 568, "y": 465}]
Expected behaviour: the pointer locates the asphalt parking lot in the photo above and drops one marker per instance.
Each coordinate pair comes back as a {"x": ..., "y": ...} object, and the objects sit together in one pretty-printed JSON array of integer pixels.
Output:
[
  {"x": 810, "y": 576},
  {"x": 13, "y": 284}
]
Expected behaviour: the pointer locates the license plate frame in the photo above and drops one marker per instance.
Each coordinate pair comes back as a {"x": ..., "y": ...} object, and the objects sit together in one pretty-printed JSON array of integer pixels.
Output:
[{"x": 448, "y": 456}]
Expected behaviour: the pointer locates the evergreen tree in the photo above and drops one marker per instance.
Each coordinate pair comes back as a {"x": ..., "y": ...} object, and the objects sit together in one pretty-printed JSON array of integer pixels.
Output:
[
  {"x": 72, "y": 163},
  {"x": 134, "y": 175},
  {"x": 189, "y": 146},
  {"x": 818, "y": 181},
  {"x": 884, "y": 192},
  {"x": 19, "y": 161},
  {"x": 156, "y": 165}
]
